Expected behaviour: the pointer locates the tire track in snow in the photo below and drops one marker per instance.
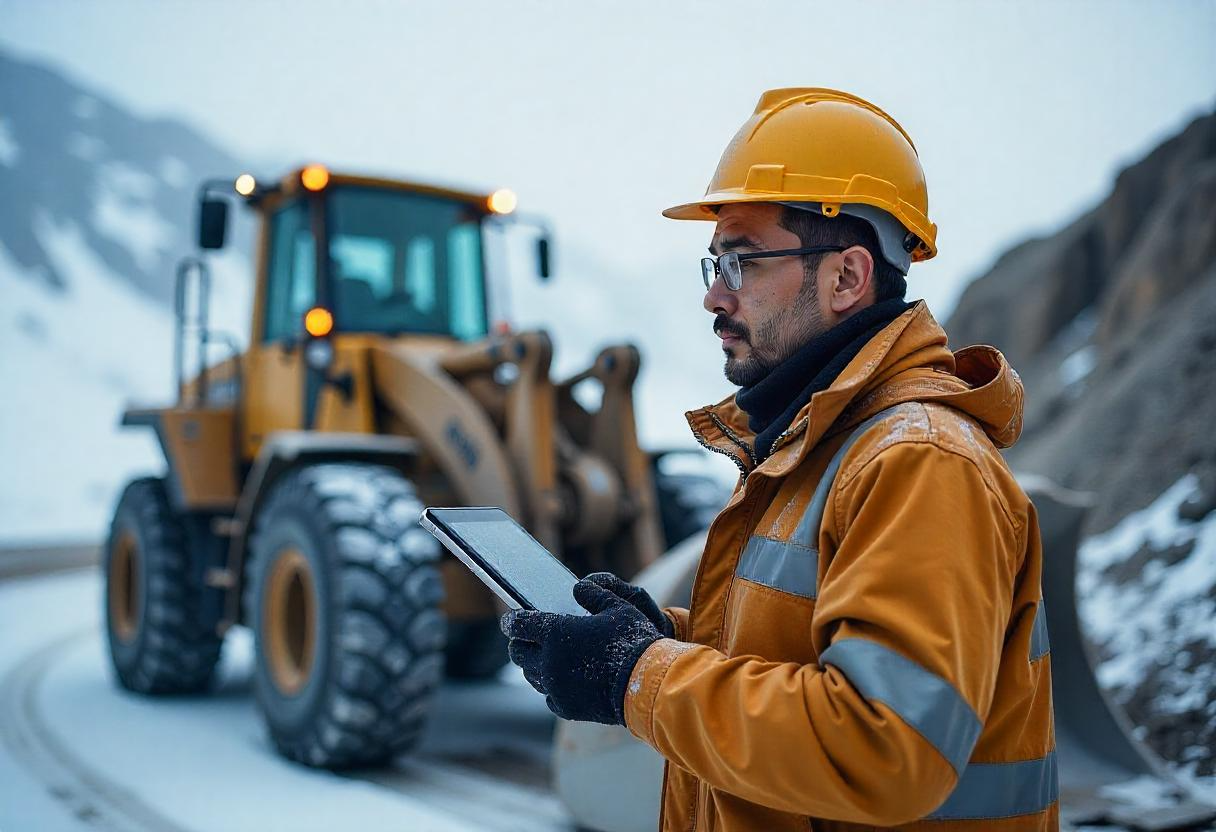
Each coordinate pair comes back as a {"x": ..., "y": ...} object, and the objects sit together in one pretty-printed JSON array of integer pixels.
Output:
[
  {"x": 88, "y": 793},
  {"x": 477, "y": 792},
  {"x": 470, "y": 795}
]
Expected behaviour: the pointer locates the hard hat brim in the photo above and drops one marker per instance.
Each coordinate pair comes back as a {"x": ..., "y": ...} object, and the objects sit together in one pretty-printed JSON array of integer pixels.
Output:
[{"x": 703, "y": 209}]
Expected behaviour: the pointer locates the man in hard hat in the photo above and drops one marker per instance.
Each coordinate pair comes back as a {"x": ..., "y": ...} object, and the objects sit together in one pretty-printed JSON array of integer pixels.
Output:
[{"x": 866, "y": 644}]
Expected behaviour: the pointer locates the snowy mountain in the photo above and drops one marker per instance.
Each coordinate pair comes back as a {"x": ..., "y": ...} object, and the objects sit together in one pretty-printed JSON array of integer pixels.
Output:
[{"x": 97, "y": 206}]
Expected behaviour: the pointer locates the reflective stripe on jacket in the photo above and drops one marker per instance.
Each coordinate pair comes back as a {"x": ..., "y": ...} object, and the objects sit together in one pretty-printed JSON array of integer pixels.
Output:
[{"x": 866, "y": 645}]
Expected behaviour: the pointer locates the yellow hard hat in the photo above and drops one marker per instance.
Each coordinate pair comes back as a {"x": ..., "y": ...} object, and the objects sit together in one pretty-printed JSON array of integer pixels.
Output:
[{"x": 831, "y": 152}]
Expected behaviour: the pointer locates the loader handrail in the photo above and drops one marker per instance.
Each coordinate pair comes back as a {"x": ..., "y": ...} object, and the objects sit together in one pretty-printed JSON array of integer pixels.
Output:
[{"x": 185, "y": 267}]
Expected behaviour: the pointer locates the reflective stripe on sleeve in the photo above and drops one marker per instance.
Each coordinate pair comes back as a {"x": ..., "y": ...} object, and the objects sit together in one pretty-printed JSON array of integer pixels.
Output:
[
  {"x": 1040, "y": 646},
  {"x": 1002, "y": 790},
  {"x": 922, "y": 699},
  {"x": 789, "y": 567}
]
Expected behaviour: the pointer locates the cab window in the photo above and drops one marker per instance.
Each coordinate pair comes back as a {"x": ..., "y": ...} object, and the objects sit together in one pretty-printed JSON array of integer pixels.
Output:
[
  {"x": 292, "y": 286},
  {"x": 403, "y": 262}
]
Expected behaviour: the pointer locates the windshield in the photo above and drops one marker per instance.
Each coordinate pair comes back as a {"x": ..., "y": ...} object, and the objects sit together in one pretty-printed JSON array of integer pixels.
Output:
[{"x": 405, "y": 262}]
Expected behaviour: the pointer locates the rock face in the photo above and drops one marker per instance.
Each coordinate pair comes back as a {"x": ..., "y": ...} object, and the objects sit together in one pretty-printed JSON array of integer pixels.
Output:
[{"x": 1112, "y": 325}]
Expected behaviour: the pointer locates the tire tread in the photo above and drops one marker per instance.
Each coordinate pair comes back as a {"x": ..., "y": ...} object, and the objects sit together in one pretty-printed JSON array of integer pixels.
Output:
[
  {"x": 374, "y": 653},
  {"x": 176, "y": 654}
]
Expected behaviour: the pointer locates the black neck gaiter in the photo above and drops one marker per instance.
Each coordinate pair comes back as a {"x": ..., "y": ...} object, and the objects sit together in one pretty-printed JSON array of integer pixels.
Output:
[{"x": 772, "y": 403}]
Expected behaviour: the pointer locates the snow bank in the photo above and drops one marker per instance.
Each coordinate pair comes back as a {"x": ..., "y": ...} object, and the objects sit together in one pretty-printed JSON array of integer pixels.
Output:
[{"x": 72, "y": 361}]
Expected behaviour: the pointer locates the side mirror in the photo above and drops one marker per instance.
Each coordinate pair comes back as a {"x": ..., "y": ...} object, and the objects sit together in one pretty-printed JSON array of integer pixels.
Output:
[
  {"x": 212, "y": 223},
  {"x": 542, "y": 258}
]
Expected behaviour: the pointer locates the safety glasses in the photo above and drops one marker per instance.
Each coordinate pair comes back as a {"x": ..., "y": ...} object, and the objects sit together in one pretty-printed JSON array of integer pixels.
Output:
[{"x": 730, "y": 264}]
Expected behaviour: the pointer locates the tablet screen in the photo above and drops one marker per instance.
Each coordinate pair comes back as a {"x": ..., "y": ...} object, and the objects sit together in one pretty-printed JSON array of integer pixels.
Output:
[{"x": 499, "y": 543}]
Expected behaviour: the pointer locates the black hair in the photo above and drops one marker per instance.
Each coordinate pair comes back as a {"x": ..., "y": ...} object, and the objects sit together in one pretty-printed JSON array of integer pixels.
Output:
[{"x": 843, "y": 230}]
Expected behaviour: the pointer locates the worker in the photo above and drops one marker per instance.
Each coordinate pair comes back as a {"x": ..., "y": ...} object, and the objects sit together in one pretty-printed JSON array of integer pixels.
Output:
[{"x": 867, "y": 644}]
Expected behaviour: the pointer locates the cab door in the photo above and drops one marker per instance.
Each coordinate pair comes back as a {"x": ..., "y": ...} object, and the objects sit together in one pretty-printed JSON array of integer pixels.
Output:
[{"x": 275, "y": 384}]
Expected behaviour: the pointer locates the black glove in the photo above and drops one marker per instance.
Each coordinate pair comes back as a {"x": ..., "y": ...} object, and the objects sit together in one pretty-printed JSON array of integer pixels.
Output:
[
  {"x": 637, "y": 596},
  {"x": 581, "y": 663}
]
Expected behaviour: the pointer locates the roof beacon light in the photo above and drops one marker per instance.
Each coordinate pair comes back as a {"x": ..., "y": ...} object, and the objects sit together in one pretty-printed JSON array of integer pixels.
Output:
[
  {"x": 502, "y": 201},
  {"x": 314, "y": 177},
  {"x": 318, "y": 322},
  {"x": 245, "y": 184}
]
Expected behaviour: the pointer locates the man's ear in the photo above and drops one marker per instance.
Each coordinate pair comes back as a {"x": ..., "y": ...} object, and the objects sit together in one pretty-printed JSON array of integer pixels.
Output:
[{"x": 853, "y": 282}]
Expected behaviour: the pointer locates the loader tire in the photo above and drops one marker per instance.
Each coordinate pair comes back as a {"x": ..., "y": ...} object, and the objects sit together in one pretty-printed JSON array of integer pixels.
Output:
[
  {"x": 344, "y": 595},
  {"x": 688, "y": 503},
  {"x": 154, "y": 625}
]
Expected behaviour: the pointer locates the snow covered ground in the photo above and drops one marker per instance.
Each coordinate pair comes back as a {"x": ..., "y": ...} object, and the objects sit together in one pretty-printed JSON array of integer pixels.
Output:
[
  {"x": 78, "y": 753},
  {"x": 1148, "y": 604}
]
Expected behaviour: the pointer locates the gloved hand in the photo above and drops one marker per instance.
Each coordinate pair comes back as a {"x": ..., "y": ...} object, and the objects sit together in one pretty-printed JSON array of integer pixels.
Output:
[
  {"x": 581, "y": 663},
  {"x": 637, "y": 596}
]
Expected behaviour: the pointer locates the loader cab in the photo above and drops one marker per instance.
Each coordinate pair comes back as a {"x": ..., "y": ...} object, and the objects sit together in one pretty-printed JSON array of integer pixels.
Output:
[
  {"x": 344, "y": 263},
  {"x": 383, "y": 260}
]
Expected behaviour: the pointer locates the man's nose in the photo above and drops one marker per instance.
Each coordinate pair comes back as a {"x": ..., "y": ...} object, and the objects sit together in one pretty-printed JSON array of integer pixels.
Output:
[{"x": 719, "y": 299}]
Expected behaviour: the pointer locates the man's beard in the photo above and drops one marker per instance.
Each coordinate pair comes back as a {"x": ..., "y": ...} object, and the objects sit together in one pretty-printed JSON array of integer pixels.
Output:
[{"x": 775, "y": 340}]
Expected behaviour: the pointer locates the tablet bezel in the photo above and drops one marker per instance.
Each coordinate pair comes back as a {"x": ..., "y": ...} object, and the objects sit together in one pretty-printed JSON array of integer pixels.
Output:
[{"x": 496, "y": 582}]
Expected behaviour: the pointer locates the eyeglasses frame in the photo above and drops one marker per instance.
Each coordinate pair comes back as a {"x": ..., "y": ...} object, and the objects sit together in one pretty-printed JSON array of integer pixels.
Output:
[{"x": 714, "y": 262}]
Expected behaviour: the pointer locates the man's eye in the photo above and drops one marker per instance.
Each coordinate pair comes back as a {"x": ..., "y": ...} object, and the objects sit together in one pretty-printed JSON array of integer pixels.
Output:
[{"x": 747, "y": 265}]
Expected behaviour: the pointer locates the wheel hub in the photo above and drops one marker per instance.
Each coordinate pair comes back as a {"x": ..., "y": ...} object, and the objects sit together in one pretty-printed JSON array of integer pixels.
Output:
[
  {"x": 123, "y": 584},
  {"x": 289, "y": 613}
]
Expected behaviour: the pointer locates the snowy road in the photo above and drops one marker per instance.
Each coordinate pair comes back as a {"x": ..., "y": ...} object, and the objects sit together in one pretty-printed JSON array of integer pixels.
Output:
[{"x": 77, "y": 753}]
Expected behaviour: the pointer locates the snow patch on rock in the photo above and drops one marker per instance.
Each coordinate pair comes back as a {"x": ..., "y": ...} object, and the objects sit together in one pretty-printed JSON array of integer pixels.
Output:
[
  {"x": 86, "y": 107},
  {"x": 1078, "y": 366},
  {"x": 1147, "y": 591},
  {"x": 174, "y": 172},
  {"x": 10, "y": 151},
  {"x": 86, "y": 147},
  {"x": 122, "y": 213}
]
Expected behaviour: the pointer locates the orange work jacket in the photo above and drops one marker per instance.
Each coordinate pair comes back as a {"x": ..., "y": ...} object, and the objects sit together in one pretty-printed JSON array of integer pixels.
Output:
[{"x": 866, "y": 645}]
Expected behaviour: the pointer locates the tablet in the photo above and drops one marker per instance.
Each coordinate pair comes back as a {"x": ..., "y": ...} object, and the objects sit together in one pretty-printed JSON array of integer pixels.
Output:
[{"x": 524, "y": 574}]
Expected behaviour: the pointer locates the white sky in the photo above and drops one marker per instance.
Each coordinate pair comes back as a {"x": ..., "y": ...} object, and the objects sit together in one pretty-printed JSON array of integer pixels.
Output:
[{"x": 599, "y": 115}]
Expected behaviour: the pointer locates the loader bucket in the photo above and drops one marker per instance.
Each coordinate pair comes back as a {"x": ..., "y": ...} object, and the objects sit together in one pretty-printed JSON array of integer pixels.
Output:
[{"x": 1101, "y": 762}]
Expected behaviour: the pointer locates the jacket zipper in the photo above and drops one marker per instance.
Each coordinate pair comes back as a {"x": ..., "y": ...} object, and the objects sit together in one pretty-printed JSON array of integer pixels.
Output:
[
  {"x": 738, "y": 463},
  {"x": 701, "y": 786},
  {"x": 790, "y": 431},
  {"x": 733, "y": 437}
]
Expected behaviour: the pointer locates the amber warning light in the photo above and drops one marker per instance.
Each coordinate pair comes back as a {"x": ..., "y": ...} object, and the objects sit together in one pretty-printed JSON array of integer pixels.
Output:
[
  {"x": 314, "y": 177},
  {"x": 318, "y": 322}
]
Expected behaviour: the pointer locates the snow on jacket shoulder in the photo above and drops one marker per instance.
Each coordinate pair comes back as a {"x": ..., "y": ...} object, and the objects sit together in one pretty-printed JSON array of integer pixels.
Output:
[{"x": 866, "y": 644}]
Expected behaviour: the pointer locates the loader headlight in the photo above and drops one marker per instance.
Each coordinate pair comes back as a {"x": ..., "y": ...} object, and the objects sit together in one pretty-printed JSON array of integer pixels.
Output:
[
  {"x": 502, "y": 201},
  {"x": 245, "y": 184},
  {"x": 319, "y": 354}
]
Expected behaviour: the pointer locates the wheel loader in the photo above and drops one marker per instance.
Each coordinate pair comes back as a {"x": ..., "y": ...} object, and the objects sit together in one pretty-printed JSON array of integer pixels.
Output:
[{"x": 374, "y": 383}]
